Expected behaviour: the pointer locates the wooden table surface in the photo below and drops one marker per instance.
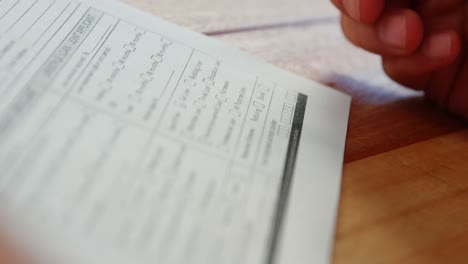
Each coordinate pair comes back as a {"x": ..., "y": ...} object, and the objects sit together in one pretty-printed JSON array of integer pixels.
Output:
[{"x": 405, "y": 184}]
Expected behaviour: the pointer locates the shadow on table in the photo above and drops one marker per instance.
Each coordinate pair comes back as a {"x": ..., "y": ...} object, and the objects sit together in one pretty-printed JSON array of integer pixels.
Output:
[{"x": 385, "y": 116}]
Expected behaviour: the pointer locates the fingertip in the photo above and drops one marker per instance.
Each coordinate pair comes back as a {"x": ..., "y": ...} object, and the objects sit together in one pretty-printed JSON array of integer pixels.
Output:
[
  {"x": 439, "y": 52},
  {"x": 443, "y": 46},
  {"x": 370, "y": 10},
  {"x": 414, "y": 31},
  {"x": 364, "y": 11},
  {"x": 456, "y": 46},
  {"x": 401, "y": 30}
]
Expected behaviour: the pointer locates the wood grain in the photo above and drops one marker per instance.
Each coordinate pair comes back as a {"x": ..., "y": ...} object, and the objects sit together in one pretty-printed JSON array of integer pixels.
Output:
[{"x": 407, "y": 205}]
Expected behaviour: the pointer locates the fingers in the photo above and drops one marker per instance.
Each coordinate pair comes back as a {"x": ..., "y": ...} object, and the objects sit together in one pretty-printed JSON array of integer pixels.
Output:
[
  {"x": 398, "y": 32},
  {"x": 364, "y": 11},
  {"x": 437, "y": 51},
  {"x": 419, "y": 55}
]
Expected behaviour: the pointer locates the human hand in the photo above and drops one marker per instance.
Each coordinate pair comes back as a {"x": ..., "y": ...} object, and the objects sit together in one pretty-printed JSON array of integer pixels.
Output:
[{"x": 423, "y": 43}]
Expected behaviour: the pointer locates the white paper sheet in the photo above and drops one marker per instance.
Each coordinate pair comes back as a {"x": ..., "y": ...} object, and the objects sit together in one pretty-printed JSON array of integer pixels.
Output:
[{"x": 126, "y": 139}]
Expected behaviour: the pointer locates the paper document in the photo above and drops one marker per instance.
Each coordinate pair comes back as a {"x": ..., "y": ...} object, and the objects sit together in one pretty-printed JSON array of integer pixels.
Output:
[{"x": 127, "y": 139}]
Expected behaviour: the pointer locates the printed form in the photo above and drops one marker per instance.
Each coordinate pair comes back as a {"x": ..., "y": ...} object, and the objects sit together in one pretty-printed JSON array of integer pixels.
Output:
[{"x": 127, "y": 139}]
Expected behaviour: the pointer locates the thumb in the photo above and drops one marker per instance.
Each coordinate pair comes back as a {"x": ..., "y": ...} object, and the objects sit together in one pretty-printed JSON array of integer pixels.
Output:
[{"x": 364, "y": 11}]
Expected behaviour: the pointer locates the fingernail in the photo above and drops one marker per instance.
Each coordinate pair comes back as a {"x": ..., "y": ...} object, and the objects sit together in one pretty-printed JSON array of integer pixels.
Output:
[
  {"x": 392, "y": 30},
  {"x": 352, "y": 8},
  {"x": 438, "y": 46}
]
